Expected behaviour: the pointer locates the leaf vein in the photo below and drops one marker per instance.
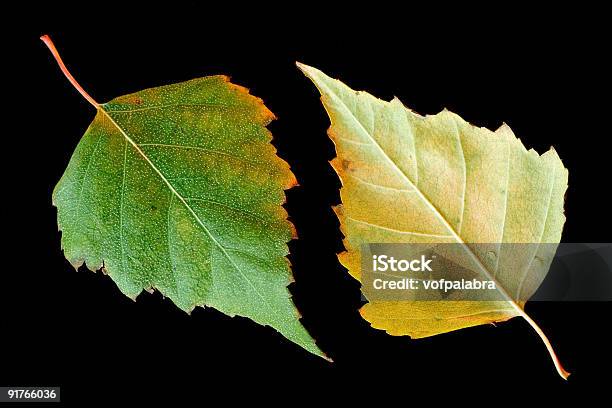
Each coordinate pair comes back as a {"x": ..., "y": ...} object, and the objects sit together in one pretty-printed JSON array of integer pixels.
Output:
[
  {"x": 378, "y": 185},
  {"x": 176, "y": 105},
  {"x": 503, "y": 229},
  {"x": 122, "y": 200},
  {"x": 86, "y": 176},
  {"x": 421, "y": 234},
  {"x": 240, "y": 210},
  {"x": 526, "y": 271},
  {"x": 460, "y": 224},
  {"x": 199, "y": 148}
]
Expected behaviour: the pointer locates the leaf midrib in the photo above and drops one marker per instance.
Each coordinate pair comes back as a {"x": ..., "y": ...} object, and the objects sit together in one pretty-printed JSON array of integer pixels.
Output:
[
  {"x": 184, "y": 202},
  {"x": 427, "y": 202}
]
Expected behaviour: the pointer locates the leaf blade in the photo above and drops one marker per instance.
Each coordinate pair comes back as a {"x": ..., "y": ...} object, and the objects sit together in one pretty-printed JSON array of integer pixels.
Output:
[
  {"x": 441, "y": 177},
  {"x": 201, "y": 242}
]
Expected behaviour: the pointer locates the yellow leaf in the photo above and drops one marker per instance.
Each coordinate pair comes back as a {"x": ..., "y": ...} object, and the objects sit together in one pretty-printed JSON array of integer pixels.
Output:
[{"x": 438, "y": 179}]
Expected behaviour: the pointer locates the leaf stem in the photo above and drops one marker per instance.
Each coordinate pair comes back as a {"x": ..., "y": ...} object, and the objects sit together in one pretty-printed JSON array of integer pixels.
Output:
[
  {"x": 49, "y": 43},
  {"x": 562, "y": 372}
]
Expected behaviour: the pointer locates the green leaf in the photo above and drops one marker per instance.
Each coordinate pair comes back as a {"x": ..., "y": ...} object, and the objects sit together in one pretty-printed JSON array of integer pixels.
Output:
[
  {"x": 437, "y": 179},
  {"x": 178, "y": 189}
]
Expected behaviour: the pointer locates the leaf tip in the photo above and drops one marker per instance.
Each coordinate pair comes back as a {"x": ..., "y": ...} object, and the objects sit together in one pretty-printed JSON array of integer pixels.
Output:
[{"x": 306, "y": 69}]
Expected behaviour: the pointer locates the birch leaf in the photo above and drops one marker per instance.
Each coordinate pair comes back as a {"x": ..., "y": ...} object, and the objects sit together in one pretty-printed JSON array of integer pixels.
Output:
[
  {"x": 413, "y": 179},
  {"x": 177, "y": 188}
]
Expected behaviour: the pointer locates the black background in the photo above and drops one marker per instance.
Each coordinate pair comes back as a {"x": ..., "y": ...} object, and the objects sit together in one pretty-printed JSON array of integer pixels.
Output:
[{"x": 541, "y": 71}]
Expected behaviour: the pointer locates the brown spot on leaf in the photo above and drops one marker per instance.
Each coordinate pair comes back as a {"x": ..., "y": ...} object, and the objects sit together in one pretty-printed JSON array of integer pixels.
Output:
[{"x": 346, "y": 164}]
